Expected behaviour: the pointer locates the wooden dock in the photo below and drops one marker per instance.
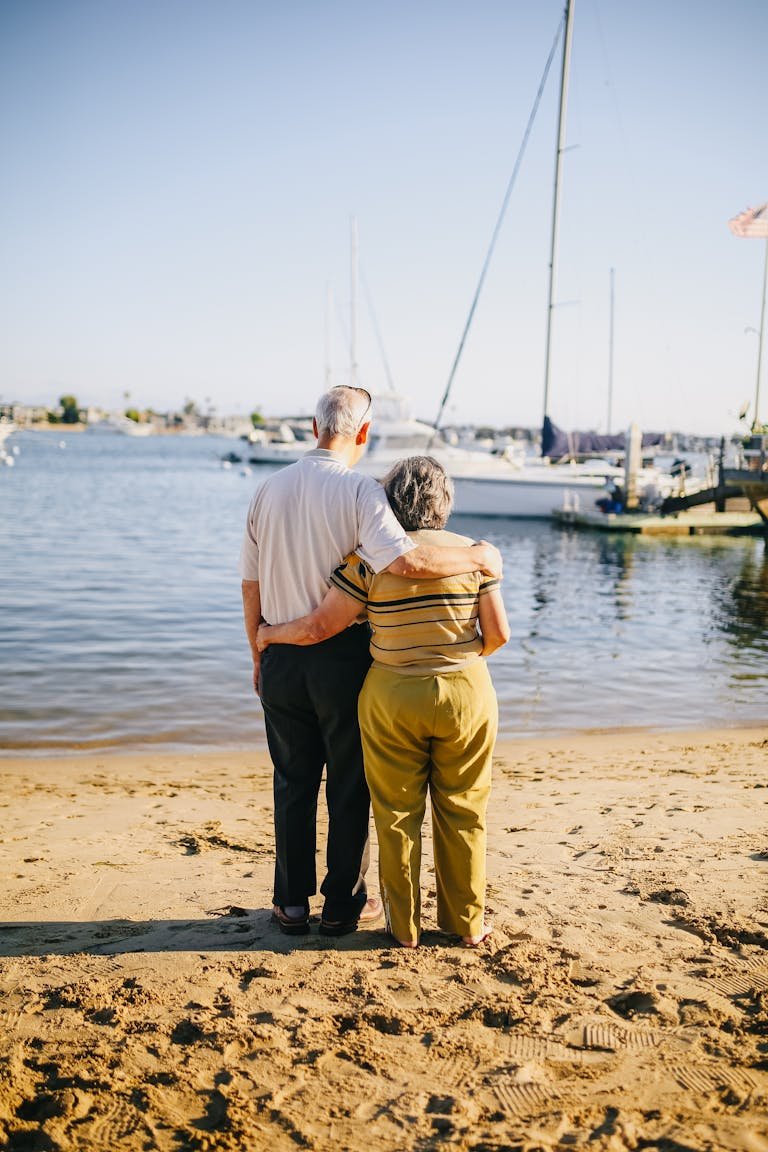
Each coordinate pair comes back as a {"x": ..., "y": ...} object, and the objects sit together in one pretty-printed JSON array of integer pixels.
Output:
[{"x": 688, "y": 523}]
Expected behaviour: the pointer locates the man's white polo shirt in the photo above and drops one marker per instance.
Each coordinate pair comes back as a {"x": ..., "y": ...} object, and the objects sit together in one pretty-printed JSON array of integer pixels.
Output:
[{"x": 303, "y": 521}]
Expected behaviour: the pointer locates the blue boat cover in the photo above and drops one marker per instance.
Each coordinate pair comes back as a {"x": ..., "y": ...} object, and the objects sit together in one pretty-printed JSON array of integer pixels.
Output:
[{"x": 556, "y": 444}]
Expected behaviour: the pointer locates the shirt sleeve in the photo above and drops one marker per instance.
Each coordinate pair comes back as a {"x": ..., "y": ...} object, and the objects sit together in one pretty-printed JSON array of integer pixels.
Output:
[
  {"x": 353, "y": 577},
  {"x": 488, "y": 585},
  {"x": 249, "y": 550},
  {"x": 382, "y": 537}
]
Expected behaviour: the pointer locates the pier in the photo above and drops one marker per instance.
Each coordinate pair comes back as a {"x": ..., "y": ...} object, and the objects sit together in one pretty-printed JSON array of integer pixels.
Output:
[
  {"x": 687, "y": 523},
  {"x": 705, "y": 512}
]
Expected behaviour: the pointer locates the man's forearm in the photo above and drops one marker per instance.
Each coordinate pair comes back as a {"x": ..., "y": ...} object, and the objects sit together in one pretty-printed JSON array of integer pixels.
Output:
[
  {"x": 252, "y": 613},
  {"x": 430, "y": 562}
]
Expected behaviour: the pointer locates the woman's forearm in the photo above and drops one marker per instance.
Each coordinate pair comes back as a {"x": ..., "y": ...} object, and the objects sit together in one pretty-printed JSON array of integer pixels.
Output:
[
  {"x": 304, "y": 630},
  {"x": 492, "y": 621},
  {"x": 336, "y": 612}
]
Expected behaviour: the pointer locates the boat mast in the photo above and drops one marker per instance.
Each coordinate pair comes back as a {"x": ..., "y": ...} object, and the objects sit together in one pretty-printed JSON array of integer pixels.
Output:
[
  {"x": 328, "y": 316},
  {"x": 353, "y": 306},
  {"x": 561, "y": 118},
  {"x": 499, "y": 221},
  {"x": 756, "y": 415},
  {"x": 610, "y": 359}
]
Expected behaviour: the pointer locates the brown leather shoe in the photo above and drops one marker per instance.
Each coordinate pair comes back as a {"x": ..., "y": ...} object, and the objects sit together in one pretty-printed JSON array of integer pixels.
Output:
[{"x": 290, "y": 925}]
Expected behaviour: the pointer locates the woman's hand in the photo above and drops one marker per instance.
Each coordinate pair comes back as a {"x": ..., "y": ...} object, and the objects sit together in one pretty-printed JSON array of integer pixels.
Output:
[{"x": 262, "y": 637}]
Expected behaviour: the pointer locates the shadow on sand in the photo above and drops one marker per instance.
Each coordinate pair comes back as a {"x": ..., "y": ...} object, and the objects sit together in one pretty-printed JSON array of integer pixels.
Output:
[{"x": 231, "y": 930}]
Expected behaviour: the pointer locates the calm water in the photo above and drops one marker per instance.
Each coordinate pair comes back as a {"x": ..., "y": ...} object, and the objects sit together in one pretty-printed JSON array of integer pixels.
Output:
[{"x": 121, "y": 619}]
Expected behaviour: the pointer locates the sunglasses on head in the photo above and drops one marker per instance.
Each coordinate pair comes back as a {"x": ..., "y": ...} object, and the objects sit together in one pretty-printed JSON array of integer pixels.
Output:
[{"x": 362, "y": 392}]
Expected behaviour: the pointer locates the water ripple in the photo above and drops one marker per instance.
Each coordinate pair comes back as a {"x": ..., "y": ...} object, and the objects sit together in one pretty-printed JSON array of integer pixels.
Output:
[{"x": 122, "y": 622}]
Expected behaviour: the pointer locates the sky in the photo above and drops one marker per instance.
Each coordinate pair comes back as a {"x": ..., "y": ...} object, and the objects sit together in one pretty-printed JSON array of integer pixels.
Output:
[{"x": 180, "y": 177}]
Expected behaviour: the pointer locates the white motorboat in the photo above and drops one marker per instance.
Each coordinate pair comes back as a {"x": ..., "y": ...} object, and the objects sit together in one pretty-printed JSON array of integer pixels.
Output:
[
  {"x": 7, "y": 427},
  {"x": 282, "y": 443},
  {"x": 120, "y": 425}
]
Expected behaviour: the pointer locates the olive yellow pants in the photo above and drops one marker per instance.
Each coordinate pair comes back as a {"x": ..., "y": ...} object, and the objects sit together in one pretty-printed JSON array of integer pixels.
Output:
[{"x": 430, "y": 733}]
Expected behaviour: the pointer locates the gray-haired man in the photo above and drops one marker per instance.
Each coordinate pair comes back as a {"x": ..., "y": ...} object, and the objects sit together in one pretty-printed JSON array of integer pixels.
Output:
[{"x": 301, "y": 524}]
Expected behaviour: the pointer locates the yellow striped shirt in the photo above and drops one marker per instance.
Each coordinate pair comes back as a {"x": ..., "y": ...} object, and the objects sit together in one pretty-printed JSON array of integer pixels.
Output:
[{"x": 418, "y": 627}]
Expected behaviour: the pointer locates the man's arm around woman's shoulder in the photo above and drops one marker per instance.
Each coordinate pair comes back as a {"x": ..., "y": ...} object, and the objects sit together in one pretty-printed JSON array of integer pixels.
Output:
[{"x": 432, "y": 561}]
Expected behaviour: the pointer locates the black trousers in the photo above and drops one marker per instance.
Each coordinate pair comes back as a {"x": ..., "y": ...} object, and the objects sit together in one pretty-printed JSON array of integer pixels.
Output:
[{"x": 309, "y": 695}]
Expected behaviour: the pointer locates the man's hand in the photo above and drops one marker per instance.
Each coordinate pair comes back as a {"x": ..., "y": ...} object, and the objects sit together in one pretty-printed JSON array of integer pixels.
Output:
[
  {"x": 489, "y": 560},
  {"x": 257, "y": 677}
]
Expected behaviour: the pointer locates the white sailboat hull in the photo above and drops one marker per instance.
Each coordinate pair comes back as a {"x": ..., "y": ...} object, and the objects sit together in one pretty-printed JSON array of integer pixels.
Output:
[{"x": 525, "y": 495}]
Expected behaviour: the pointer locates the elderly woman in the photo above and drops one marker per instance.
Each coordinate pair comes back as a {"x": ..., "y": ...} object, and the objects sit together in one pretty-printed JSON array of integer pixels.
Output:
[{"x": 427, "y": 709}]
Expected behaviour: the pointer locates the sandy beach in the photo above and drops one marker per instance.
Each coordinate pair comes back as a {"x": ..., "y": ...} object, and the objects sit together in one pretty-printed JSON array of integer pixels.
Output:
[{"x": 621, "y": 1003}]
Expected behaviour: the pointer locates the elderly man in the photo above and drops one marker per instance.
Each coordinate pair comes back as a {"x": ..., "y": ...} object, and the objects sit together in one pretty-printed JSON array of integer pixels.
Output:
[{"x": 301, "y": 524}]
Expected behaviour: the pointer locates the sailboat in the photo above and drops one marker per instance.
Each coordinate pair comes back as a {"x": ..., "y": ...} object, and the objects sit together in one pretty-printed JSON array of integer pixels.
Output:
[
  {"x": 527, "y": 486},
  {"x": 510, "y": 484},
  {"x": 395, "y": 432}
]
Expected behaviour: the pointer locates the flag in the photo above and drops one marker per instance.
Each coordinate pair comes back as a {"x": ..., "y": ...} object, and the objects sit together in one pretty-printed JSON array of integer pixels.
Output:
[{"x": 753, "y": 223}]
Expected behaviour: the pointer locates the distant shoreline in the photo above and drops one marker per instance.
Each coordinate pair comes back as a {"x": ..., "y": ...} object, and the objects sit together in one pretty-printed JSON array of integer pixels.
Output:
[{"x": 59, "y": 428}]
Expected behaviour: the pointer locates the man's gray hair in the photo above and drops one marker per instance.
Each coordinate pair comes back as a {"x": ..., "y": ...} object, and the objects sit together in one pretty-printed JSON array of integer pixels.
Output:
[
  {"x": 420, "y": 492},
  {"x": 340, "y": 410}
]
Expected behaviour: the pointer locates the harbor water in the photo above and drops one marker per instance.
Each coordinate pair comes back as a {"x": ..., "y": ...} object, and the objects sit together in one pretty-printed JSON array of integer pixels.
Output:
[{"x": 122, "y": 623}]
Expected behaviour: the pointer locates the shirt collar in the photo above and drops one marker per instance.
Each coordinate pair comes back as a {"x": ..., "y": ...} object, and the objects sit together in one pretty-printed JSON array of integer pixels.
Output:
[{"x": 324, "y": 454}]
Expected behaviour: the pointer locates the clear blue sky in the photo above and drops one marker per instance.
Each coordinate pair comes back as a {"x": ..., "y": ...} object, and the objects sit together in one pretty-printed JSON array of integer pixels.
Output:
[{"x": 179, "y": 176}]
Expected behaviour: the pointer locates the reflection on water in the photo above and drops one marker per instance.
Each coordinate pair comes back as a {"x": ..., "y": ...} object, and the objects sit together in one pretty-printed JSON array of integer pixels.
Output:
[
  {"x": 613, "y": 630},
  {"x": 615, "y": 559},
  {"x": 745, "y": 605},
  {"x": 122, "y": 620},
  {"x": 742, "y": 615}
]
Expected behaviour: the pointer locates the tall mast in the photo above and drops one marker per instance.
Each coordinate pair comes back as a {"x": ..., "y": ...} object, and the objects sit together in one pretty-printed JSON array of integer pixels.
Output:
[
  {"x": 610, "y": 359},
  {"x": 561, "y": 118},
  {"x": 756, "y": 414},
  {"x": 328, "y": 318},
  {"x": 353, "y": 306}
]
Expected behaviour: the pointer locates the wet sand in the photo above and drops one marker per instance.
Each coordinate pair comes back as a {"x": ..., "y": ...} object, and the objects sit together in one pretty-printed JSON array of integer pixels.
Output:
[{"x": 146, "y": 1002}]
